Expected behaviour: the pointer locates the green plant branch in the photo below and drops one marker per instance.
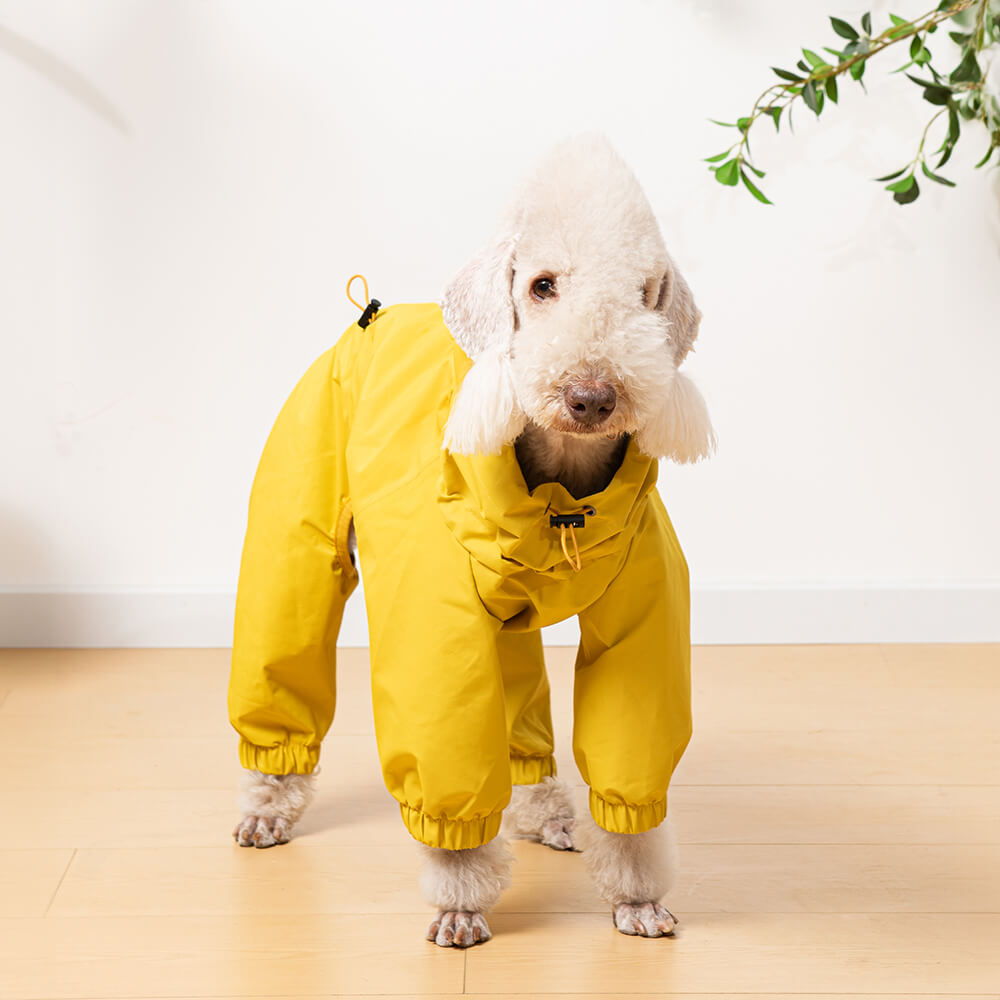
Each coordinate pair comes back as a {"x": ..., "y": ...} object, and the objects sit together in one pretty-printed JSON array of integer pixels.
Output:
[{"x": 960, "y": 93}]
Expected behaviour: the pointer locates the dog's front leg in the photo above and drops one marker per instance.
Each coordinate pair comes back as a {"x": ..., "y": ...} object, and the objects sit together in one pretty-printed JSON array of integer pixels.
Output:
[
  {"x": 632, "y": 872},
  {"x": 270, "y": 805},
  {"x": 464, "y": 886}
]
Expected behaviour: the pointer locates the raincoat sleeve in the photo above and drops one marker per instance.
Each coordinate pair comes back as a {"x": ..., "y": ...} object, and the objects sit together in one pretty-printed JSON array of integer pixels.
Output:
[
  {"x": 632, "y": 692},
  {"x": 295, "y": 577}
]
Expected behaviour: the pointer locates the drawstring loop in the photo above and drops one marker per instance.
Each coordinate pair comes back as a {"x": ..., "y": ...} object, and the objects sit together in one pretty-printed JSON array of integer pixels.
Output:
[
  {"x": 577, "y": 565},
  {"x": 571, "y": 521},
  {"x": 367, "y": 312}
]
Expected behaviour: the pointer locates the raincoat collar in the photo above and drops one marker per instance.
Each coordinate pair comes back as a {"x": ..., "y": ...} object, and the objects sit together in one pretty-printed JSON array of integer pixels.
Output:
[{"x": 486, "y": 502}]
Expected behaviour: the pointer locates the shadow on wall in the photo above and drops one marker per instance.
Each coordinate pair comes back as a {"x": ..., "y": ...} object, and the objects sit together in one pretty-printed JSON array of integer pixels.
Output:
[{"x": 62, "y": 76}]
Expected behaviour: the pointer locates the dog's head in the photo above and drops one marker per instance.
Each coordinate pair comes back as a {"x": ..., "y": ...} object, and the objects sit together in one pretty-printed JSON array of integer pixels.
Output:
[{"x": 576, "y": 318}]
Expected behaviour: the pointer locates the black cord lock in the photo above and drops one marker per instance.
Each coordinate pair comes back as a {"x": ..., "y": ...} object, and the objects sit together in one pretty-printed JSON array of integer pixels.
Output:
[{"x": 369, "y": 314}]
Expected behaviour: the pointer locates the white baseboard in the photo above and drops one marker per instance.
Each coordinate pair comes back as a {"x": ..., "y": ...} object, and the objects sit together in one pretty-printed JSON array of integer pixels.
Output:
[{"x": 721, "y": 615}]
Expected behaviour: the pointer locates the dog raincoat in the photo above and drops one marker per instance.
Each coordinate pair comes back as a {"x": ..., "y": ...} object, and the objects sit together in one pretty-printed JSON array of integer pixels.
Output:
[{"x": 462, "y": 567}]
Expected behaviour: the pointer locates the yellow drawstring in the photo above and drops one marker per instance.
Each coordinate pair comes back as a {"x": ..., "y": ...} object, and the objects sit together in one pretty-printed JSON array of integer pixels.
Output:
[
  {"x": 350, "y": 282},
  {"x": 576, "y": 549}
]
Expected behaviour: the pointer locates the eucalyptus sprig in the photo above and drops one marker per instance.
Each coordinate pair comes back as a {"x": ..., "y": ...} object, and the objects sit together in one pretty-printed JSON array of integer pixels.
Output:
[{"x": 963, "y": 93}]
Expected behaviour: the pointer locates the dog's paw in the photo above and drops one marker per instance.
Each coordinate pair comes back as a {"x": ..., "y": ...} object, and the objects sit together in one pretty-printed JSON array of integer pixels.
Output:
[
  {"x": 458, "y": 929},
  {"x": 261, "y": 831},
  {"x": 645, "y": 919},
  {"x": 557, "y": 833}
]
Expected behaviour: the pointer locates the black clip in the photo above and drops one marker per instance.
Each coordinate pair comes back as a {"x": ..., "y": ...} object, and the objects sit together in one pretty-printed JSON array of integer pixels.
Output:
[
  {"x": 369, "y": 314},
  {"x": 577, "y": 520}
]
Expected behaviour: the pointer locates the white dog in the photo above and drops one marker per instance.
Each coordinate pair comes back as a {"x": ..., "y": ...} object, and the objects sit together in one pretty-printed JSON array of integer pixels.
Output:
[{"x": 576, "y": 321}]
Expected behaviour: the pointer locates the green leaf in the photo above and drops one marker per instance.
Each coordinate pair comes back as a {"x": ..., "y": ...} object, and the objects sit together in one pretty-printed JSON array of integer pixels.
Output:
[
  {"x": 833, "y": 52},
  {"x": 831, "y": 88},
  {"x": 805, "y": 69},
  {"x": 922, "y": 83},
  {"x": 936, "y": 177},
  {"x": 717, "y": 157},
  {"x": 786, "y": 75},
  {"x": 715, "y": 121},
  {"x": 775, "y": 113},
  {"x": 728, "y": 173},
  {"x": 968, "y": 70},
  {"x": 858, "y": 70},
  {"x": 750, "y": 166},
  {"x": 843, "y": 28},
  {"x": 915, "y": 47},
  {"x": 912, "y": 193},
  {"x": 936, "y": 95},
  {"x": 904, "y": 185},
  {"x": 810, "y": 97},
  {"x": 898, "y": 20},
  {"x": 949, "y": 148},
  {"x": 923, "y": 57},
  {"x": 866, "y": 23},
  {"x": 954, "y": 125},
  {"x": 889, "y": 177},
  {"x": 816, "y": 60},
  {"x": 987, "y": 157},
  {"x": 753, "y": 189},
  {"x": 959, "y": 38},
  {"x": 743, "y": 124}
]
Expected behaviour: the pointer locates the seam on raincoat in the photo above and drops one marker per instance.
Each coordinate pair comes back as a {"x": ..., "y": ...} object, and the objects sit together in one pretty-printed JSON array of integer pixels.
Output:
[
  {"x": 451, "y": 834},
  {"x": 625, "y": 817}
]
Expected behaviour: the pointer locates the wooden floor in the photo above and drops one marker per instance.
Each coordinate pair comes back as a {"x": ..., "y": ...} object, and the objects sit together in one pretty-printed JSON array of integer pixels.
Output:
[{"x": 838, "y": 814}]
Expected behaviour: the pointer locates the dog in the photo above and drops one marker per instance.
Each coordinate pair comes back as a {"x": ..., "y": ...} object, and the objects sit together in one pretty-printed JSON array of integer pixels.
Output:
[{"x": 492, "y": 463}]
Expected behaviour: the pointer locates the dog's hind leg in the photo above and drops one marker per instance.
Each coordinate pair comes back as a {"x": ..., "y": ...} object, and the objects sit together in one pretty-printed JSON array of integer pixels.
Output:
[
  {"x": 542, "y": 812},
  {"x": 464, "y": 886},
  {"x": 541, "y": 807}
]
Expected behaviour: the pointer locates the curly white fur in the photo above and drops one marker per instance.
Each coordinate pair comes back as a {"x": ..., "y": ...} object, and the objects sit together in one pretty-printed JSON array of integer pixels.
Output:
[
  {"x": 622, "y": 313},
  {"x": 470, "y": 880},
  {"x": 629, "y": 867}
]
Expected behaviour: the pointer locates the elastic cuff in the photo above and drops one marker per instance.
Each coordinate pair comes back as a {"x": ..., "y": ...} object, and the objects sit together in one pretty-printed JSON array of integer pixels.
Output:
[
  {"x": 531, "y": 770},
  {"x": 621, "y": 817},
  {"x": 452, "y": 834},
  {"x": 289, "y": 758}
]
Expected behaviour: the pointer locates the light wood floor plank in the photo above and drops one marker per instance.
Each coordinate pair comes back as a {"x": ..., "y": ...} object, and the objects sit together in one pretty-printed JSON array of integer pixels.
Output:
[
  {"x": 29, "y": 879},
  {"x": 368, "y": 815},
  {"x": 128, "y": 957},
  {"x": 743, "y": 953},
  {"x": 221, "y": 881}
]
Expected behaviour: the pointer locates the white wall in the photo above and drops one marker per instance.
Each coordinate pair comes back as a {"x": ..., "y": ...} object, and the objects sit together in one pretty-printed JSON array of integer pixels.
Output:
[{"x": 186, "y": 186}]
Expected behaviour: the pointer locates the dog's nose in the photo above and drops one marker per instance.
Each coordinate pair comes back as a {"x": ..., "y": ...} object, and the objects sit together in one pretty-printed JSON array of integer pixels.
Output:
[{"x": 590, "y": 402}]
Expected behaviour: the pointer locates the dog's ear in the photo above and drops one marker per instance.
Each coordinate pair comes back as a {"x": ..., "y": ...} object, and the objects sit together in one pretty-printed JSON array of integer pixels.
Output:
[
  {"x": 682, "y": 430},
  {"x": 477, "y": 305},
  {"x": 677, "y": 303},
  {"x": 478, "y": 309}
]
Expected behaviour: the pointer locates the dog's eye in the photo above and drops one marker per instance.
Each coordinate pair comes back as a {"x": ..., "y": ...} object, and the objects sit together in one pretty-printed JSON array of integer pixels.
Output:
[{"x": 543, "y": 288}]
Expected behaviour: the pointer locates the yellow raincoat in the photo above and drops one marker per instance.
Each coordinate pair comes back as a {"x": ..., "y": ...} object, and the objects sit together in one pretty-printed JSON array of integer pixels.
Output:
[{"x": 462, "y": 567}]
